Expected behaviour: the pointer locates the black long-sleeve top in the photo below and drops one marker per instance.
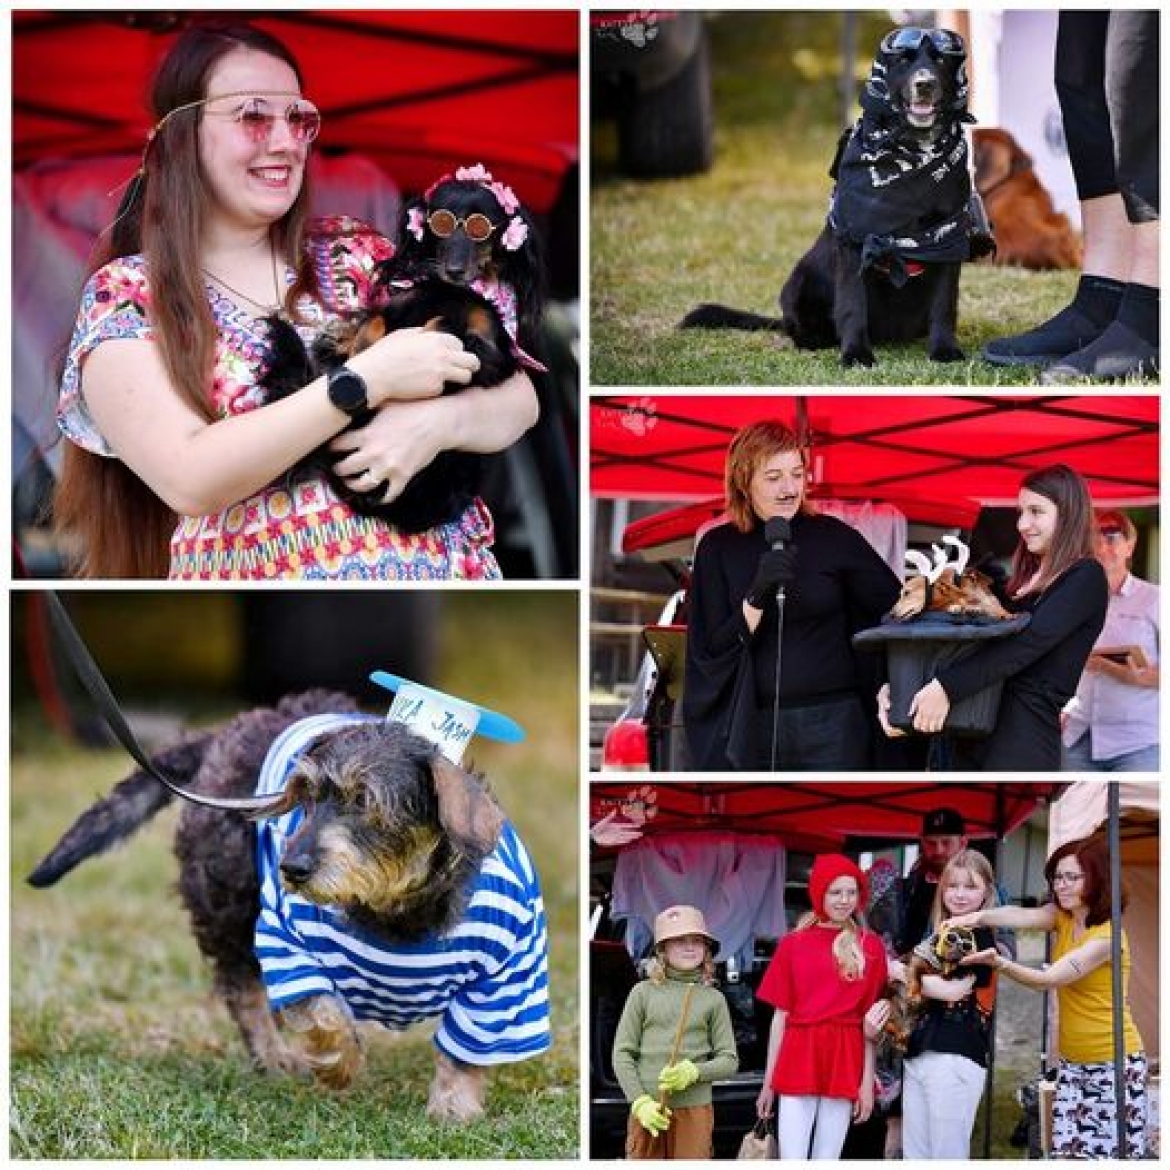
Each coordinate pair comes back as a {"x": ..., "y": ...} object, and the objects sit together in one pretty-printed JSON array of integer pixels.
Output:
[
  {"x": 1039, "y": 667},
  {"x": 842, "y": 585}
]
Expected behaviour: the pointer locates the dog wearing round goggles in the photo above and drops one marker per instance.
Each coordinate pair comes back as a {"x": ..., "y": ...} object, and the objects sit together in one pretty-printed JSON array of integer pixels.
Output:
[
  {"x": 902, "y": 217},
  {"x": 468, "y": 262}
]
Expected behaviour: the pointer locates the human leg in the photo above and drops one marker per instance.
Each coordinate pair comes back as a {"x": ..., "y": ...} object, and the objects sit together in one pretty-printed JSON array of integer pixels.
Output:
[
  {"x": 1084, "y": 1118},
  {"x": 953, "y": 1087},
  {"x": 832, "y": 1124},
  {"x": 1129, "y": 346},
  {"x": 1079, "y": 76},
  {"x": 1078, "y": 756},
  {"x": 916, "y": 1120},
  {"x": 795, "y": 1117}
]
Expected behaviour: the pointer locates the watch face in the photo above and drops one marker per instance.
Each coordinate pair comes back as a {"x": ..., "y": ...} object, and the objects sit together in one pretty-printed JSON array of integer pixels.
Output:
[{"x": 347, "y": 391}]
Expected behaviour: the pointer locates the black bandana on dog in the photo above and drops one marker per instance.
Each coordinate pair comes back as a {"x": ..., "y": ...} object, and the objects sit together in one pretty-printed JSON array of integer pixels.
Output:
[{"x": 898, "y": 197}]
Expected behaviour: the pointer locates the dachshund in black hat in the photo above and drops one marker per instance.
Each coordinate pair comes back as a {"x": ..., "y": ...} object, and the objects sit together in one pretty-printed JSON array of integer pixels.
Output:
[{"x": 902, "y": 219}]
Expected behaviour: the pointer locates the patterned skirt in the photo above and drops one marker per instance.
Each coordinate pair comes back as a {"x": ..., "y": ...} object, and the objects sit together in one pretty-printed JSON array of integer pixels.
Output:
[
  {"x": 304, "y": 532},
  {"x": 1084, "y": 1115}
]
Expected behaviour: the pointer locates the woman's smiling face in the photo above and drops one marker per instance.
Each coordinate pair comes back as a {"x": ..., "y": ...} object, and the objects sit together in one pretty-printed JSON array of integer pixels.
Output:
[
  {"x": 1037, "y": 521},
  {"x": 251, "y": 183}
]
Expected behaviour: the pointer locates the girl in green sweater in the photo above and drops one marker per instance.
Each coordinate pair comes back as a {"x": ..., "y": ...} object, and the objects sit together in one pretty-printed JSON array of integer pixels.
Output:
[{"x": 674, "y": 1038}]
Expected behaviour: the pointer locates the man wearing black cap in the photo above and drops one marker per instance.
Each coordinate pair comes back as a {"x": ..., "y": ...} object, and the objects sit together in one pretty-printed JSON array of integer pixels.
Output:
[{"x": 944, "y": 834}]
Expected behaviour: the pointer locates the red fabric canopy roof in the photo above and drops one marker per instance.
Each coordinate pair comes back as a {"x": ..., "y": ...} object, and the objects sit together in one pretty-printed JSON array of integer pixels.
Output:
[
  {"x": 928, "y": 453},
  {"x": 420, "y": 92},
  {"x": 816, "y": 813}
]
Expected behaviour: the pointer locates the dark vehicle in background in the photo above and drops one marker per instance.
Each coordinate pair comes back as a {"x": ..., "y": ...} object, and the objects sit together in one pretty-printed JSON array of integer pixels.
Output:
[
  {"x": 612, "y": 975},
  {"x": 651, "y": 71}
]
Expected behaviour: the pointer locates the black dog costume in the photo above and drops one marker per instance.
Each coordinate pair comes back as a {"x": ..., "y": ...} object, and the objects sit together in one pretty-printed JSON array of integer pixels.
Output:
[{"x": 902, "y": 218}]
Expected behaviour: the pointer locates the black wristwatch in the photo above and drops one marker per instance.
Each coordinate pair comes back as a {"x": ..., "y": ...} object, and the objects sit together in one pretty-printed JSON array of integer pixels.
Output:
[{"x": 347, "y": 391}]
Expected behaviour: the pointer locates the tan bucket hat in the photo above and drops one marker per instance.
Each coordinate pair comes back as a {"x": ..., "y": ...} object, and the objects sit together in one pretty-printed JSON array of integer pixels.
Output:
[{"x": 675, "y": 921}]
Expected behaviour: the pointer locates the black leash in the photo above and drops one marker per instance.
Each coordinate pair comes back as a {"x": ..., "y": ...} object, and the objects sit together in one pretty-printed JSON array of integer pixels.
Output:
[{"x": 91, "y": 677}]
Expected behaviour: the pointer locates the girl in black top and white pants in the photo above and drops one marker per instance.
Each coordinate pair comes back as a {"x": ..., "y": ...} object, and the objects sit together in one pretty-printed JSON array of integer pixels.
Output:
[{"x": 946, "y": 1058}]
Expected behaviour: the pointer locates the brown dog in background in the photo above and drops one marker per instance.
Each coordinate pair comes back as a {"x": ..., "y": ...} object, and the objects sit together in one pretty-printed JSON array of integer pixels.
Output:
[{"x": 1029, "y": 231}]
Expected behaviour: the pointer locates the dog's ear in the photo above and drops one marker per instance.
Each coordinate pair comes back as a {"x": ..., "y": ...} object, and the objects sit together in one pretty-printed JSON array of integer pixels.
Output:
[
  {"x": 466, "y": 810},
  {"x": 407, "y": 246},
  {"x": 524, "y": 270}
]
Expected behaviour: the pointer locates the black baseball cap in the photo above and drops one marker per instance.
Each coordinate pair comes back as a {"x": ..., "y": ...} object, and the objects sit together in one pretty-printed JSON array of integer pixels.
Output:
[{"x": 943, "y": 822}]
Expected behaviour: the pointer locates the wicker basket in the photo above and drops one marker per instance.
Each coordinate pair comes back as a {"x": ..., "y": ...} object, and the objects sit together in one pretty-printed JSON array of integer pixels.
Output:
[{"x": 917, "y": 650}]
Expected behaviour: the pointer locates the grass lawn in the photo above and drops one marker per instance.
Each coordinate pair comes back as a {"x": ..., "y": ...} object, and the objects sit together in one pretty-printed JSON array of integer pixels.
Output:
[
  {"x": 732, "y": 235},
  {"x": 120, "y": 1050}
]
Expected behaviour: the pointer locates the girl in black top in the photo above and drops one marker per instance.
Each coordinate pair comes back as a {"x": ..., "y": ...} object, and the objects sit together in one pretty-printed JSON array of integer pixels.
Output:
[
  {"x": 835, "y": 584},
  {"x": 946, "y": 1057},
  {"x": 1056, "y": 578}
]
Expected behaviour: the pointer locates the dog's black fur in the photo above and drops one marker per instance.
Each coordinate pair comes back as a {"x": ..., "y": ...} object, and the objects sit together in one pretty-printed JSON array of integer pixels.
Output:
[
  {"x": 377, "y": 785},
  {"x": 442, "y": 489},
  {"x": 828, "y": 300},
  {"x": 426, "y": 283}
]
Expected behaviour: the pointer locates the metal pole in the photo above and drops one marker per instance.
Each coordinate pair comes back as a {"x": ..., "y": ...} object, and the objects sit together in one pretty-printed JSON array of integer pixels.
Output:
[
  {"x": 990, "y": 1097},
  {"x": 1114, "y": 834}
]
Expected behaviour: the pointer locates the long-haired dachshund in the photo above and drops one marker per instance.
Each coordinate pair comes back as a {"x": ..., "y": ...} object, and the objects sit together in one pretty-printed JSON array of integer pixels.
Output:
[{"x": 468, "y": 262}]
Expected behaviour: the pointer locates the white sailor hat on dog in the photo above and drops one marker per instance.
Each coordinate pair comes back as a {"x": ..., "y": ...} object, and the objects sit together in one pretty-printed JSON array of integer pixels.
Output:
[{"x": 448, "y": 722}]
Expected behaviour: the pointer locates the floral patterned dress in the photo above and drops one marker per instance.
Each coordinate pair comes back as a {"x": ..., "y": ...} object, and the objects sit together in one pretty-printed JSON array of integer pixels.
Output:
[{"x": 296, "y": 527}]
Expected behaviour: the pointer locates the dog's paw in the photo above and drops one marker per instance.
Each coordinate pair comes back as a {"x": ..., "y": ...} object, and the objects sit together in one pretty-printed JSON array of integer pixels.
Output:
[
  {"x": 457, "y": 1092},
  {"x": 327, "y": 1041},
  {"x": 947, "y": 353},
  {"x": 859, "y": 355}
]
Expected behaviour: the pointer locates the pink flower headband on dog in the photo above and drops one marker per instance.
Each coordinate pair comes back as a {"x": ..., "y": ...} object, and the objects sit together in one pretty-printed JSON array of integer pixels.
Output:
[{"x": 517, "y": 230}]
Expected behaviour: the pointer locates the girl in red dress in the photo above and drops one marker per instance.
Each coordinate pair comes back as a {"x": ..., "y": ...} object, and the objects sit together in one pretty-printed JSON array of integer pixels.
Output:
[{"x": 822, "y": 980}]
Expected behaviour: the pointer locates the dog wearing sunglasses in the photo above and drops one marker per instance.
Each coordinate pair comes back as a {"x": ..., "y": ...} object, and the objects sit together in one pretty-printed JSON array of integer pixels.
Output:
[
  {"x": 901, "y": 221},
  {"x": 468, "y": 262}
]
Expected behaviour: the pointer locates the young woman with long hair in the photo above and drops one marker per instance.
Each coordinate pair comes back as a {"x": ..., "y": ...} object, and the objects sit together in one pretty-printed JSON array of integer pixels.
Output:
[
  {"x": 1056, "y": 578},
  {"x": 175, "y": 463}
]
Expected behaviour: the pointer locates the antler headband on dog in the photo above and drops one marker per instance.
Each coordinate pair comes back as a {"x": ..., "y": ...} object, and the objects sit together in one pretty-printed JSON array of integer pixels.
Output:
[{"x": 517, "y": 230}]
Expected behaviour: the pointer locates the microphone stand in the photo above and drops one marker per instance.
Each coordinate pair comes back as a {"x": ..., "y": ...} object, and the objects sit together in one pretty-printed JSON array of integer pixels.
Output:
[{"x": 776, "y": 694}]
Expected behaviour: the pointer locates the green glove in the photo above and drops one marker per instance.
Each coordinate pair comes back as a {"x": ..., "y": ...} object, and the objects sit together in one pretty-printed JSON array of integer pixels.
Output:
[
  {"x": 676, "y": 1077},
  {"x": 651, "y": 1116}
]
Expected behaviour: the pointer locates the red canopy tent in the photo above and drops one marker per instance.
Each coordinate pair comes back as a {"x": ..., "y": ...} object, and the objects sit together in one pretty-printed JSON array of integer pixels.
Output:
[
  {"x": 815, "y": 814},
  {"x": 416, "y": 91},
  {"x": 939, "y": 456}
]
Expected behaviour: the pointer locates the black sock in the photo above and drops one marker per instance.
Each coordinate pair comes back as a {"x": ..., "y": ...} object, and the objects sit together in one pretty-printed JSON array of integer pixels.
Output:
[
  {"x": 1099, "y": 298},
  {"x": 1139, "y": 310}
]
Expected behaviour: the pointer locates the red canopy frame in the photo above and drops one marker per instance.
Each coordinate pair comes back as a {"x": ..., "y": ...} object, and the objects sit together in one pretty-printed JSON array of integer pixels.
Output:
[{"x": 937, "y": 454}]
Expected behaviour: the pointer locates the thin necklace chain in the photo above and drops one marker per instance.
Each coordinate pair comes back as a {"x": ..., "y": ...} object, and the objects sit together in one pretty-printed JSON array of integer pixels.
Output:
[{"x": 273, "y": 308}]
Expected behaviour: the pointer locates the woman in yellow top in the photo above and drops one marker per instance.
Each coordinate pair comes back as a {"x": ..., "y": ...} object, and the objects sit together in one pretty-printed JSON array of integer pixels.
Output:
[{"x": 1082, "y": 974}]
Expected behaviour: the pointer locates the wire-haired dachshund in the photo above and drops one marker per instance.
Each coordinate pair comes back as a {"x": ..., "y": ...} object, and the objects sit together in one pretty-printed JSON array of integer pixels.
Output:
[
  {"x": 468, "y": 262},
  {"x": 902, "y": 218}
]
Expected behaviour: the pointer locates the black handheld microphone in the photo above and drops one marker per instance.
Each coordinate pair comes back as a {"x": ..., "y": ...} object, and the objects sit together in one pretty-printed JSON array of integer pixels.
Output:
[{"x": 777, "y": 532}]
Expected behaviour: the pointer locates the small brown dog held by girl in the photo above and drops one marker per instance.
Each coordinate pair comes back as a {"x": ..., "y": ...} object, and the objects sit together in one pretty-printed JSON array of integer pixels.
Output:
[
  {"x": 823, "y": 979},
  {"x": 674, "y": 1038}
]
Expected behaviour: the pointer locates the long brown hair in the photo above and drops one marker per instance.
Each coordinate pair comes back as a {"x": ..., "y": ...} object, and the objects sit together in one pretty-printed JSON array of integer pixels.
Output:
[
  {"x": 750, "y": 447},
  {"x": 1072, "y": 539},
  {"x": 124, "y": 527}
]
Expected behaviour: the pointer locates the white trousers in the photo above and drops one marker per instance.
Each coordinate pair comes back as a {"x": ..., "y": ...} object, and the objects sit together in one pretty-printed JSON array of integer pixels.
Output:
[
  {"x": 812, "y": 1127},
  {"x": 940, "y": 1096}
]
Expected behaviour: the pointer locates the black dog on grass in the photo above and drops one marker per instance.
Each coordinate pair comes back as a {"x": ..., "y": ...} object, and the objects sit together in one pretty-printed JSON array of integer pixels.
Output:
[
  {"x": 468, "y": 263},
  {"x": 902, "y": 220},
  {"x": 382, "y": 883}
]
